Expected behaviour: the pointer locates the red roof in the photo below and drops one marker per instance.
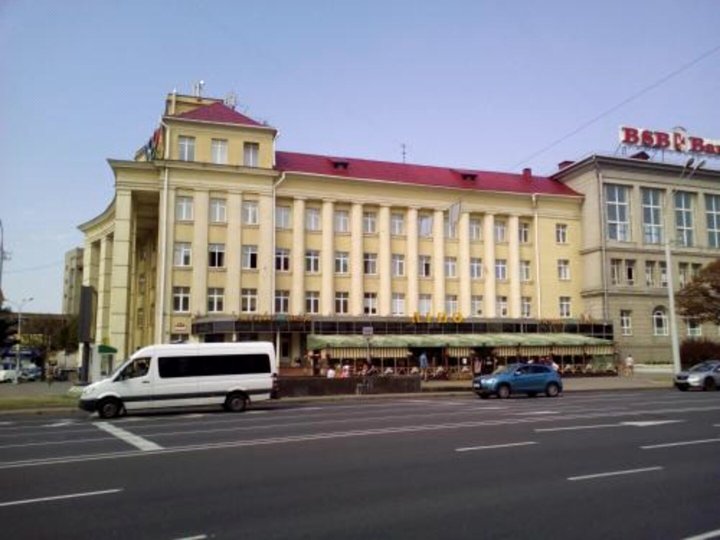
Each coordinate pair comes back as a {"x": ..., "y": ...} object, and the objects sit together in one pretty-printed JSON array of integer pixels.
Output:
[
  {"x": 218, "y": 112},
  {"x": 419, "y": 174}
]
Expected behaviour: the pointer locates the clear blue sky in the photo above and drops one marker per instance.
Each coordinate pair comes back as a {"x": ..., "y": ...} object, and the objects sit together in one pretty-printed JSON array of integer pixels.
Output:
[{"x": 481, "y": 84}]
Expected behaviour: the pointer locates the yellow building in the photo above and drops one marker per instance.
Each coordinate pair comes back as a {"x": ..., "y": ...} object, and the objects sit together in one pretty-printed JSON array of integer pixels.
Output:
[{"x": 213, "y": 234}]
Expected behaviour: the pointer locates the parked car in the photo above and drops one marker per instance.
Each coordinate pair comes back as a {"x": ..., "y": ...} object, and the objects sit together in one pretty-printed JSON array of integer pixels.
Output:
[
  {"x": 7, "y": 375},
  {"x": 530, "y": 379},
  {"x": 31, "y": 373},
  {"x": 705, "y": 375}
]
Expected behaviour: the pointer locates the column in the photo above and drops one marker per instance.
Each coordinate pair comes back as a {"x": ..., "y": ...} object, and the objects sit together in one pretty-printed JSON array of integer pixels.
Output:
[
  {"x": 297, "y": 300},
  {"x": 163, "y": 308},
  {"x": 266, "y": 257},
  {"x": 233, "y": 244},
  {"x": 384, "y": 262},
  {"x": 411, "y": 260},
  {"x": 327, "y": 259},
  {"x": 198, "y": 290},
  {"x": 438, "y": 261},
  {"x": 356, "y": 259},
  {"x": 489, "y": 264},
  {"x": 464, "y": 263},
  {"x": 104, "y": 277},
  {"x": 120, "y": 278},
  {"x": 514, "y": 266}
]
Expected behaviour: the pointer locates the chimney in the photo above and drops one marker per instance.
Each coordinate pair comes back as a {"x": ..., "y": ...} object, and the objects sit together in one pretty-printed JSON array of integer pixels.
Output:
[
  {"x": 527, "y": 173},
  {"x": 565, "y": 164}
]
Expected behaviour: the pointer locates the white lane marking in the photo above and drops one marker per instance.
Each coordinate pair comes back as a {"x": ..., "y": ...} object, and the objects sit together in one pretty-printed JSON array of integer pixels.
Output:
[
  {"x": 574, "y": 428},
  {"x": 130, "y": 438},
  {"x": 61, "y": 497},
  {"x": 6, "y": 423},
  {"x": 493, "y": 446},
  {"x": 613, "y": 473},
  {"x": 681, "y": 443},
  {"x": 191, "y": 415},
  {"x": 60, "y": 423},
  {"x": 256, "y": 412},
  {"x": 648, "y": 423},
  {"x": 705, "y": 536},
  {"x": 538, "y": 412},
  {"x": 198, "y": 537}
]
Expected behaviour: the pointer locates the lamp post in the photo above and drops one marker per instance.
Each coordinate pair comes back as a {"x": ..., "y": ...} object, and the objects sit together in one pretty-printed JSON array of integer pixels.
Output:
[
  {"x": 688, "y": 170},
  {"x": 20, "y": 306}
]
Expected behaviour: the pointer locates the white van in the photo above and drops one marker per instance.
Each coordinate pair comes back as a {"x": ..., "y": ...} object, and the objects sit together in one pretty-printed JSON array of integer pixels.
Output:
[{"x": 187, "y": 375}]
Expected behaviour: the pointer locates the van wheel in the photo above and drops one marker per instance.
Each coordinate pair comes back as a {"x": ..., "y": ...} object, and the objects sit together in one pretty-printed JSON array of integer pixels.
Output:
[
  {"x": 236, "y": 402},
  {"x": 109, "y": 408}
]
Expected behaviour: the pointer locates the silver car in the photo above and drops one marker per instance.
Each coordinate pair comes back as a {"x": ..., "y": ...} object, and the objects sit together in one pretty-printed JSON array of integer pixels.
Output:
[{"x": 705, "y": 375}]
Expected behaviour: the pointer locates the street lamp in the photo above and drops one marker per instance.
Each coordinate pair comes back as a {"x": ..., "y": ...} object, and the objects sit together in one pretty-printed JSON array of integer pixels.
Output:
[
  {"x": 20, "y": 306},
  {"x": 688, "y": 170}
]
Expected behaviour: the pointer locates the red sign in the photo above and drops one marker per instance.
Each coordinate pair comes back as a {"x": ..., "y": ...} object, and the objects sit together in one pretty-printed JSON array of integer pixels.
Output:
[{"x": 676, "y": 141}]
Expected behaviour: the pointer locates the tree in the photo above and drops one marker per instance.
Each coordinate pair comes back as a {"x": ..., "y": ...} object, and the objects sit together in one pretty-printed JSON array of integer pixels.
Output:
[
  {"x": 700, "y": 299},
  {"x": 8, "y": 328}
]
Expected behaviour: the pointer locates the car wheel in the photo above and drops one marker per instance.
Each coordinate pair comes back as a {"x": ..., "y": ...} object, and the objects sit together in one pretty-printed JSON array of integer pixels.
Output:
[
  {"x": 109, "y": 408},
  {"x": 503, "y": 391},
  {"x": 709, "y": 384},
  {"x": 552, "y": 390},
  {"x": 236, "y": 402}
]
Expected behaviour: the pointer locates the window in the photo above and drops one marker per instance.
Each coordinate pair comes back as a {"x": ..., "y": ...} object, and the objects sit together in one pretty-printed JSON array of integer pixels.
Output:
[
  {"x": 182, "y": 254},
  {"x": 398, "y": 265},
  {"x": 449, "y": 227},
  {"x": 251, "y": 152},
  {"x": 450, "y": 267},
  {"x": 561, "y": 233},
  {"x": 630, "y": 272},
  {"x": 312, "y": 219},
  {"x": 424, "y": 304},
  {"x": 250, "y": 213},
  {"x": 500, "y": 269},
  {"x": 652, "y": 215},
  {"x": 660, "y": 325},
  {"x": 425, "y": 225},
  {"x": 476, "y": 305},
  {"x": 219, "y": 151},
  {"x": 563, "y": 268},
  {"x": 342, "y": 262},
  {"x": 312, "y": 261},
  {"x": 684, "y": 218},
  {"x": 501, "y": 306},
  {"x": 683, "y": 274},
  {"x": 186, "y": 148},
  {"x": 615, "y": 271},
  {"x": 500, "y": 231},
  {"x": 616, "y": 207},
  {"x": 249, "y": 258},
  {"x": 451, "y": 304},
  {"x": 312, "y": 302},
  {"x": 475, "y": 229},
  {"x": 650, "y": 273},
  {"x": 525, "y": 271},
  {"x": 282, "y": 217},
  {"x": 248, "y": 300},
  {"x": 425, "y": 266},
  {"x": 216, "y": 255},
  {"x": 694, "y": 329},
  {"x": 282, "y": 301},
  {"x": 181, "y": 299},
  {"x": 712, "y": 212},
  {"x": 626, "y": 322},
  {"x": 524, "y": 232},
  {"x": 217, "y": 211},
  {"x": 369, "y": 222},
  {"x": 342, "y": 221},
  {"x": 663, "y": 274},
  {"x": 194, "y": 366},
  {"x": 476, "y": 268},
  {"x": 695, "y": 270},
  {"x": 398, "y": 304},
  {"x": 397, "y": 224},
  {"x": 183, "y": 209},
  {"x": 282, "y": 260},
  {"x": 342, "y": 300},
  {"x": 564, "y": 307},
  {"x": 370, "y": 263},
  {"x": 370, "y": 303},
  {"x": 525, "y": 307},
  {"x": 215, "y": 300}
]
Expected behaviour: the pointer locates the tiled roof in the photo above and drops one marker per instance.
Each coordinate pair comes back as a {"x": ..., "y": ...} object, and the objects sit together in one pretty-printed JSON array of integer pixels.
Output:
[
  {"x": 420, "y": 174},
  {"x": 218, "y": 112}
]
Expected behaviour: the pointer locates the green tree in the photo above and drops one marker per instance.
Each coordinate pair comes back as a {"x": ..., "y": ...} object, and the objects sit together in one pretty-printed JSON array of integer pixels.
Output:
[
  {"x": 700, "y": 298},
  {"x": 8, "y": 328}
]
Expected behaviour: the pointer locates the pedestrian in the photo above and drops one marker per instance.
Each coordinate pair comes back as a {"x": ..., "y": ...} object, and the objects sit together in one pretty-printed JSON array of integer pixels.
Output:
[
  {"x": 423, "y": 365},
  {"x": 629, "y": 365},
  {"x": 49, "y": 374}
]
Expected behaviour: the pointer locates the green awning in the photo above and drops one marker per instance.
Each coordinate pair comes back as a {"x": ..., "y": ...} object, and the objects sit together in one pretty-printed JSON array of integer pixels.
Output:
[{"x": 107, "y": 349}]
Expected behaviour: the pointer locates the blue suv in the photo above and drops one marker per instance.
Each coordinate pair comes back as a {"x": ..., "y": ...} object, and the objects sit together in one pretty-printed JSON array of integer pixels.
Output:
[{"x": 530, "y": 379}]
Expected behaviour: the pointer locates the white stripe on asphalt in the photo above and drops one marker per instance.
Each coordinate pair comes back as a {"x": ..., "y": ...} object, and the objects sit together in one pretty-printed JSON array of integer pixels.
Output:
[
  {"x": 134, "y": 440},
  {"x": 573, "y": 428},
  {"x": 614, "y": 473},
  {"x": 705, "y": 536},
  {"x": 493, "y": 446},
  {"x": 681, "y": 443},
  {"x": 198, "y": 537},
  {"x": 60, "y": 497}
]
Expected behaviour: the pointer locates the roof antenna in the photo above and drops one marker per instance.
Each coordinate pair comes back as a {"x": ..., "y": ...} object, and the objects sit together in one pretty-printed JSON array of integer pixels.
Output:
[
  {"x": 198, "y": 88},
  {"x": 404, "y": 152},
  {"x": 231, "y": 100}
]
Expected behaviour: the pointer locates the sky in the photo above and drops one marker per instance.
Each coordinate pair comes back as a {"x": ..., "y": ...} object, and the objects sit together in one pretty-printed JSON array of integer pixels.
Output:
[{"x": 481, "y": 84}]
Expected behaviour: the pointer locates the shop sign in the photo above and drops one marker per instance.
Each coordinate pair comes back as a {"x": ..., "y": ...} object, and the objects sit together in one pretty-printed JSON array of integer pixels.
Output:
[
  {"x": 675, "y": 141},
  {"x": 440, "y": 317},
  {"x": 179, "y": 327}
]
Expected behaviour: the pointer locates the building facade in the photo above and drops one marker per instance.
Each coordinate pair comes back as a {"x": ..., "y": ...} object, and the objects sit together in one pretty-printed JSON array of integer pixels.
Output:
[{"x": 72, "y": 281}]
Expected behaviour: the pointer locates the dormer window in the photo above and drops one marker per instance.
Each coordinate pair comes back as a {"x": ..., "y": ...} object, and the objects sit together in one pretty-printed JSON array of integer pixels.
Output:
[
  {"x": 340, "y": 164},
  {"x": 469, "y": 176}
]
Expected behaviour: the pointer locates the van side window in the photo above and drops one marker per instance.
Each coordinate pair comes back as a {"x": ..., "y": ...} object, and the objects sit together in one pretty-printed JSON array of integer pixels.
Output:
[
  {"x": 208, "y": 365},
  {"x": 138, "y": 368}
]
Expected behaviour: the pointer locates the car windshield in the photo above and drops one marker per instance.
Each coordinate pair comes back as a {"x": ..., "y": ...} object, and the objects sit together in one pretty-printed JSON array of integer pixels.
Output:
[
  {"x": 704, "y": 366},
  {"x": 504, "y": 369}
]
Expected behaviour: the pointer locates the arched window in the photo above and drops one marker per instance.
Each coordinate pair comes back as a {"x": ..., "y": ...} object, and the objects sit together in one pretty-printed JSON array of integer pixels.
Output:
[{"x": 660, "y": 323}]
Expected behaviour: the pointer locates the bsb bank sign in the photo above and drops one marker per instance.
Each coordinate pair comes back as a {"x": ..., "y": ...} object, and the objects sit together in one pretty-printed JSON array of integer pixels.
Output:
[{"x": 675, "y": 141}]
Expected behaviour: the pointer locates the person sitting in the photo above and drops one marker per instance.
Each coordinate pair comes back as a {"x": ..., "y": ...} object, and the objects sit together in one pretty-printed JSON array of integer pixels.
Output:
[
  {"x": 330, "y": 373},
  {"x": 388, "y": 371}
]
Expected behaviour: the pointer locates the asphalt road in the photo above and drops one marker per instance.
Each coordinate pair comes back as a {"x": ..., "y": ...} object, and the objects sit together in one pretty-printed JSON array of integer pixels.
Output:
[{"x": 642, "y": 464}]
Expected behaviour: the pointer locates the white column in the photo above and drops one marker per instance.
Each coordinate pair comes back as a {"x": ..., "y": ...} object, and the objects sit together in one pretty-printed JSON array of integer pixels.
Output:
[
  {"x": 198, "y": 291},
  {"x": 120, "y": 279},
  {"x": 514, "y": 266},
  {"x": 327, "y": 260},
  {"x": 233, "y": 244},
  {"x": 438, "y": 262},
  {"x": 104, "y": 277},
  {"x": 266, "y": 257},
  {"x": 489, "y": 263},
  {"x": 356, "y": 260},
  {"x": 297, "y": 300},
  {"x": 464, "y": 263},
  {"x": 411, "y": 260},
  {"x": 384, "y": 262}
]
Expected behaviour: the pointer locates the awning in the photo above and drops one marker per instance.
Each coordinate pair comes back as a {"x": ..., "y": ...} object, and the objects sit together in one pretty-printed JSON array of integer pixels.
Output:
[{"x": 106, "y": 349}]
